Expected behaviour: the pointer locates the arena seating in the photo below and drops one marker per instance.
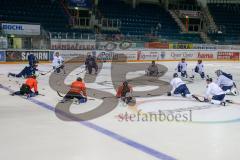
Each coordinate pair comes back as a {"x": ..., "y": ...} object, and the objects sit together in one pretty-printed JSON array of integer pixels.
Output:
[
  {"x": 49, "y": 14},
  {"x": 226, "y": 17},
  {"x": 140, "y": 21},
  {"x": 143, "y": 19}
]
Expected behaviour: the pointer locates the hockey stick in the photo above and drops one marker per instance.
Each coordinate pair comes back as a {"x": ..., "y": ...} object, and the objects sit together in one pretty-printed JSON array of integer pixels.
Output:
[
  {"x": 70, "y": 95},
  {"x": 153, "y": 95},
  {"x": 234, "y": 84},
  {"x": 232, "y": 102},
  {"x": 83, "y": 69},
  {"x": 227, "y": 100},
  {"x": 41, "y": 94},
  {"x": 81, "y": 72},
  {"x": 109, "y": 97},
  {"x": 196, "y": 97},
  {"x": 64, "y": 71},
  {"x": 59, "y": 94},
  {"x": 46, "y": 72},
  {"x": 53, "y": 70},
  {"x": 118, "y": 97}
]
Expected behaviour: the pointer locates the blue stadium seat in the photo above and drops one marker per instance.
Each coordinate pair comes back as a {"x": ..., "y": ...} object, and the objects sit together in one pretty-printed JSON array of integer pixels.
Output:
[
  {"x": 226, "y": 17},
  {"x": 49, "y": 14},
  {"x": 144, "y": 18}
]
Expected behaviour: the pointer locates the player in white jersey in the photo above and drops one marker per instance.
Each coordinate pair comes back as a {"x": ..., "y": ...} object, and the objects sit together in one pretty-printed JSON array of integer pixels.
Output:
[
  {"x": 178, "y": 87},
  {"x": 182, "y": 68},
  {"x": 215, "y": 93},
  {"x": 58, "y": 63},
  {"x": 199, "y": 69},
  {"x": 225, "y": 81}
]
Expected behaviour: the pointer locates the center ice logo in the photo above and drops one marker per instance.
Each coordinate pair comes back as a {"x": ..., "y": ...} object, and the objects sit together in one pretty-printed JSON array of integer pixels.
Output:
[{"x": 110, "y": 102}]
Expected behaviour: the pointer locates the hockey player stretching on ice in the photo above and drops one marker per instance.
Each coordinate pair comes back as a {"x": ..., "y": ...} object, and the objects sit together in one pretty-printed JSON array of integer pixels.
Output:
[
  {"x": 32, "y": 59},
  {"x": 216, "y": 92},
  {"x": 58, "y": 63},
  {"x": 124, "y": 92},
  {"x": 78, "y": 91},
  {"x": 27, "y": 71},
  {"x": 91, "y": 63},
  {"x": 26, "y": 88},
  {"x": 178, "y": 87},
  {"x": 182, "y": 68},
  {"x": 225, "y": 81},
  {"x": 199, "y": 69},
  {"x": 152, "y": 70}
]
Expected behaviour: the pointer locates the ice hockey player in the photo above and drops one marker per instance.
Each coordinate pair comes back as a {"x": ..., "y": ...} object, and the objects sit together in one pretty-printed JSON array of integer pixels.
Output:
[
  {"x": 225, "y": 81},
  {"x": 58, "y": 63},
  {"x": 199, "y": 69},
  {"x": 152, "y": 70},
  {"x": 214, "y": 93},
  {"x": 179, "y": 87},
  {"x": 124, "y": 92},
  {"x": 91, "y": 63},
  {"x": 27, "y": 71},
  {"x": 32, "y": 59},
  {"x": 26, "y": 88},
  {"x": 78, "y": 91},
  {"x": 182, "y": 68}
]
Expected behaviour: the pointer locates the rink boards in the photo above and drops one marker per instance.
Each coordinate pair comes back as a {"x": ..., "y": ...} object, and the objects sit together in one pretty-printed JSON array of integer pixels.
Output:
[{"x": 136, "y": 55}]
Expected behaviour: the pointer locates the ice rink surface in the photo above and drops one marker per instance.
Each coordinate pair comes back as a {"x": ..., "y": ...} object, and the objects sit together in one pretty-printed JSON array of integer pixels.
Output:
[{"x": 30, "y": 130}]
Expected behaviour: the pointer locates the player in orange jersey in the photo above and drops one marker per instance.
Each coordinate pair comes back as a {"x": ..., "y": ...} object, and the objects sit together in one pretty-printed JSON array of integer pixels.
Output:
[
  {"x": 78, "y": 91},
  {"x": 26, "y": 88}
]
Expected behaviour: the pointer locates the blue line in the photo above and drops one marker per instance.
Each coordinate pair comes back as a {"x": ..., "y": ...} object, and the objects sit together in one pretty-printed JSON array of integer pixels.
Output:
[{"x": 136, "y": 145}]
